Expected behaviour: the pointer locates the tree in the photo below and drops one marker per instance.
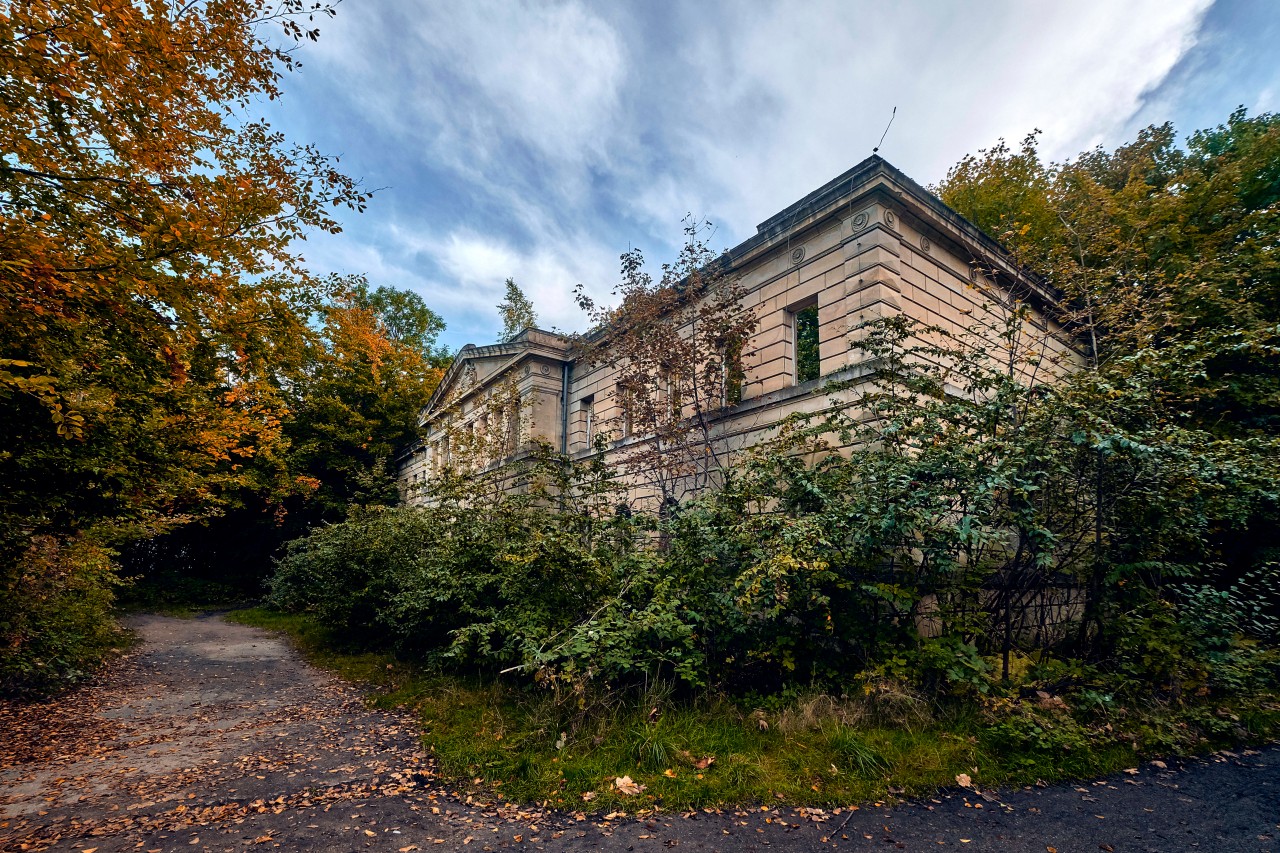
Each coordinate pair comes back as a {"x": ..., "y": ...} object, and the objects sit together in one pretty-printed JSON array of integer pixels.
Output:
[
  {"x": 357, "y": 404},
  {"x": 152, "y": 304},
  {"x": 349, "y": 413},
  {"x": 404, "y": 318},
  {"x": 516, "y": 311},
  {"x": 675, "y": 346},
  {"x": 1154, "y": 246},
  {"x": 1167, "y": 260}
]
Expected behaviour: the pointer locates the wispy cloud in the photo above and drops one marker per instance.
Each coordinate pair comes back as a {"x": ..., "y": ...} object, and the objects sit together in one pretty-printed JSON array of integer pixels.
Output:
[{"x": 540, "y": 140}]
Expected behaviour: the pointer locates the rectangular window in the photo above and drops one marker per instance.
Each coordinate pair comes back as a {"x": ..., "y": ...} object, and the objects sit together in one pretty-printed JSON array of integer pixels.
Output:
[
  {"x": 588, "y": 406},
  {"x": 513, "y": 427},
  {"x": 804, "y": 327},
  {"x": 674, "y": 394},
  {"x": 626, "y": 404},
  {"x": 731, "y": 374}
]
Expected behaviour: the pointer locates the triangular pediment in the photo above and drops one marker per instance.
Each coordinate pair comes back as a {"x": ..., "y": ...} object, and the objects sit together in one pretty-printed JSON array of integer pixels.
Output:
[{"x": 476, "y": 368}]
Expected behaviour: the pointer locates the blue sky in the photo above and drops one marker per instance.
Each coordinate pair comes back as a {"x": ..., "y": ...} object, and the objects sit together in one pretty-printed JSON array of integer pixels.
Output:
[{"x": 540, "y": 140}]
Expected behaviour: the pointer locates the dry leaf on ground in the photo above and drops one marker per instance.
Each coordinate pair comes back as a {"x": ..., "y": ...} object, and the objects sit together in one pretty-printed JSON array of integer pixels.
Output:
[{"x": 626, "y": 786}]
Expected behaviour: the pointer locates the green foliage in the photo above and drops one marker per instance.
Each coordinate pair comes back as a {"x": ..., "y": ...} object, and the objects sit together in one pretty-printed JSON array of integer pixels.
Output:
[
  {"x": 516, "y": 311},
  {"x": 802, "y": 748},
  {"x": 447, "y": 582},
  {"x": 404, "y": 317},
  {"x": 371, "y": 368},
  {"x": 55, "y": 614},
  {"x": 156, "y": 317},
  {"x": 356, "y": 405},
  {"x": 971, "y": 508},
  {"x": 150, "y": 294},
  {"x": 1158, "y": 250}
]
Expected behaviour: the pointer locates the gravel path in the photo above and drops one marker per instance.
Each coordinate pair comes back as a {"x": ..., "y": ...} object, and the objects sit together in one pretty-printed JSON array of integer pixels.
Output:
[{"x": 216, "y": 736}]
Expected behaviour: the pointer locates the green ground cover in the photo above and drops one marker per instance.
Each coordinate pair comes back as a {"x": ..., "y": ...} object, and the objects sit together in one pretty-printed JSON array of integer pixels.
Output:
[{"x": 532, "y": 744}]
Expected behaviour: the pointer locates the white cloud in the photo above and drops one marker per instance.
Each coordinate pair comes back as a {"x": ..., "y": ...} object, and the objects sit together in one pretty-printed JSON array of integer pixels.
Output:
[
  {"x": 478, "y": 266},
  {"x": 551, "y": 72},
  {"x": 537, "y": 140},
  {"x": 820, "y": 81},
  {"x": 456, "y": 84}
]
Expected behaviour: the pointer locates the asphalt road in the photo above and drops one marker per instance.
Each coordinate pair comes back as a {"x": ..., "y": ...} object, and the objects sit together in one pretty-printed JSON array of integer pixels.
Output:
[{"x": 215, "y": 736}]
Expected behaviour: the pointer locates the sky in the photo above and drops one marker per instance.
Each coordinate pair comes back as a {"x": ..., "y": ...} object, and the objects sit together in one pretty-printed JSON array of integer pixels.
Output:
[{"x": 541, "y": 140}]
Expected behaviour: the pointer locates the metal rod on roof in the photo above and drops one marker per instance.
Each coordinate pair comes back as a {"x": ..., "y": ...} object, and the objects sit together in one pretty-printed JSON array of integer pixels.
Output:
[{"x": 886, "y": 129}]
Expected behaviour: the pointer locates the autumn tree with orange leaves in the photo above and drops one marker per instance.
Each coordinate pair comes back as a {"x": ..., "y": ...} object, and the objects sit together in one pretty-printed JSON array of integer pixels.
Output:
[{"x": 153, "y": 304}]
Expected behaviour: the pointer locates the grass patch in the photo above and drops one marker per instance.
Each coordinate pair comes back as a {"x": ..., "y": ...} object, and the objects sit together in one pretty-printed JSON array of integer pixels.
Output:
[{"x": 530, "y": 745}]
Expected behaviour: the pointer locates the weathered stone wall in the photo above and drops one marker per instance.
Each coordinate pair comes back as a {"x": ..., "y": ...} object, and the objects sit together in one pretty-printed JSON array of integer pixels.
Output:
[{"x": 870, "y": 244}]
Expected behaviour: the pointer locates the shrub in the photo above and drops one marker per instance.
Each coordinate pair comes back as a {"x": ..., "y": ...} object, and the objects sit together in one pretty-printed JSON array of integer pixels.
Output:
[{"x": 56, "y": 620}]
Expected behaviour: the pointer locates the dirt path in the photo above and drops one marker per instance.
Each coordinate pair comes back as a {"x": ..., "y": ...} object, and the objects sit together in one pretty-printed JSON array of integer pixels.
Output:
[{"x": 216, "y": 736}]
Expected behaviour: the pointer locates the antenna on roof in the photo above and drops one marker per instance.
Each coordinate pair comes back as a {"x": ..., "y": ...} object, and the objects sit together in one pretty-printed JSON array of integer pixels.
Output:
[{"x": 886, "y": 129}]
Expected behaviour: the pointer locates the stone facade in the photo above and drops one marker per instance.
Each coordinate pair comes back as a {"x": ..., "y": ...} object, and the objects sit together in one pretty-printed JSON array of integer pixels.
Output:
[{"x": 871, "y": 243}]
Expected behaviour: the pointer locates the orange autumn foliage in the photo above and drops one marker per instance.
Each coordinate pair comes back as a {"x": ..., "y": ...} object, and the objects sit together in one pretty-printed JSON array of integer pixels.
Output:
[{"x": 152, "y": 301}]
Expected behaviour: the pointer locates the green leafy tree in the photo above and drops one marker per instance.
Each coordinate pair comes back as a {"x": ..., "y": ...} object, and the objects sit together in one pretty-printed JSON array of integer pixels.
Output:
[
  {"x": 357, "y": 404},
  {"x": 516, "y": 311},
  {"x": 404, "y": 318},
  {"x": 1166, "y": 258}
]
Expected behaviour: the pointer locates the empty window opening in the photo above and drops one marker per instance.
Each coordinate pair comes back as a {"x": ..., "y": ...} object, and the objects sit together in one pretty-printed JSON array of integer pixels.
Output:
[
  {"x": 513, "y": 427},
  {"x": 588, "y": 406},
  {"x": 805, "y": 328},
  {"x": 674, "y": 393},
  {"x": 627, "y": 401},
  {"x": 732, "y": 374}
]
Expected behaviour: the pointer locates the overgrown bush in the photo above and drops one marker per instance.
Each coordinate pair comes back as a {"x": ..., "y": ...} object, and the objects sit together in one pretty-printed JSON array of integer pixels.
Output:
[
  {"x": 56, "y": 613},
  {"x": 924, "y": 556}
]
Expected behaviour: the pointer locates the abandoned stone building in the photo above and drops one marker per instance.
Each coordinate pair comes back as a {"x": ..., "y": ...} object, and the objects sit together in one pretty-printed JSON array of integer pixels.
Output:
[{"x": 871, "y": 243}]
